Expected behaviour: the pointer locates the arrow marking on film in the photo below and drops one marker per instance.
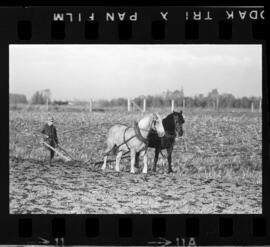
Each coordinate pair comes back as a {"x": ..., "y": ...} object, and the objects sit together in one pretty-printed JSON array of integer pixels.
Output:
[
  {"x": 165, "y": 242},
  {"x": 44, "y": 241}
]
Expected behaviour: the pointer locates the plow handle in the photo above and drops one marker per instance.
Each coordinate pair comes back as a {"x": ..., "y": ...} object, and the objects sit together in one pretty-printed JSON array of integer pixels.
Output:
[{"x": 55, "y": 150}]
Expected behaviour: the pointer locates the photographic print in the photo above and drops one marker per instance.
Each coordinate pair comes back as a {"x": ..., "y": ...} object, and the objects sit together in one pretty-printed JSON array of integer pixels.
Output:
[{"x": 135, "y": 129}]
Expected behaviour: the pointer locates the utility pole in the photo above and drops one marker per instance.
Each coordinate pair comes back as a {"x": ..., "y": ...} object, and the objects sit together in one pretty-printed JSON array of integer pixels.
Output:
[
  {"x": 90, "y": 105},
  {"x": 129, "y": 104}
]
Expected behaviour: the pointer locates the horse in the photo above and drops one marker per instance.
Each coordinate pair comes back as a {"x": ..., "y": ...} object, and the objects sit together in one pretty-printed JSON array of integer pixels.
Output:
[
  {"x": 173, "y": 128},
  {"x": 122, "y": 138}
]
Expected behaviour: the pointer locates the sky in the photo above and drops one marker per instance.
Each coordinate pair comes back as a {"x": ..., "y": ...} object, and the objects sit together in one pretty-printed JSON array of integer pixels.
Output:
[{"x": 112, "y": 71}]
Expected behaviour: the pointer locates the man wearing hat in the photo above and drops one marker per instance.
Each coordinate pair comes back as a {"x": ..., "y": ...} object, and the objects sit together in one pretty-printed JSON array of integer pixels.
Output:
[{"x": 49, "y": 131}]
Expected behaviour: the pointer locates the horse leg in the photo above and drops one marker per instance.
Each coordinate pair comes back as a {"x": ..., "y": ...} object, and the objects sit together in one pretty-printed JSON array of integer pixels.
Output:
[
  {"x": 118, "y": 158},
  {"x": 169, "y": 153},
  {"x": 105, "y": 159},
  {"x": 145, "y": 162},
  {"x": 104, "y": 163},
  {"x": 155, "y": 159},
  {"x": 132, "y": 161},
  {"x": 137, "y": 157}
]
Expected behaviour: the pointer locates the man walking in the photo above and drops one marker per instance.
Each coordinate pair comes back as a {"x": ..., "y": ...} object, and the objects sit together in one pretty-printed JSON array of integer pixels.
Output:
[{"x": 50, "y": 133}]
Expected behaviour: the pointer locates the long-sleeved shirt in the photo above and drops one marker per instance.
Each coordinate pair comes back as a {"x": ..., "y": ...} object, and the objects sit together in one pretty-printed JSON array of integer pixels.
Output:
[{"x": 50, "y": 131}]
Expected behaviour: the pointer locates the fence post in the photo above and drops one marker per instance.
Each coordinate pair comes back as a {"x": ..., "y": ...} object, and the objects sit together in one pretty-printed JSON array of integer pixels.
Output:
[
  {"x": 260, "y": 105},
  {"x": 47, "y": 103},
  {"x": 184, "y": 103},
  {"x": 217, "y": 102},
  {"x": 129, "y": 106},
  {"x": 90, "y": 105},
  {"x": 144, "y": 105},
  {"x": 172, "y": 105},
  {"x": 252, "y": 106}
]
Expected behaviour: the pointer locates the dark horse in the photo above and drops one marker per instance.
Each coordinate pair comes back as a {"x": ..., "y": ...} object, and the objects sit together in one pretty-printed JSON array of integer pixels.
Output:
[{"x": 173, "y": 128}]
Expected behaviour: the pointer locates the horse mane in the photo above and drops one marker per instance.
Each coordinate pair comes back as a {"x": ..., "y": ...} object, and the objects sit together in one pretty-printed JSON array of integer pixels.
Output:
[{"x": 168, "y": 123}]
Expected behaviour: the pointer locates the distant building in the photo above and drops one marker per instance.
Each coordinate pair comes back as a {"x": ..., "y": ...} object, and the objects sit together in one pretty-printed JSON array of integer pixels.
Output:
[
  {"x": 17, "y": 98},
  {"x": 60, "y": 102}
]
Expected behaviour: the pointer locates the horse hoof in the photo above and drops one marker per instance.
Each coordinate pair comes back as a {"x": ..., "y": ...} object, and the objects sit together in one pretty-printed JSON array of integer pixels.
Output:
[
  {"x": 132, "y": 172},
  {"x": 170, "y": 171},
  {"x": 153, "y": 170}
]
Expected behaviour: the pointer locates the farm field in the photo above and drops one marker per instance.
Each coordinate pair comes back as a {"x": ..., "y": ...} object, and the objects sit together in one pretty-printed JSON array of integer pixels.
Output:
[{"x": 217, "y": 166}]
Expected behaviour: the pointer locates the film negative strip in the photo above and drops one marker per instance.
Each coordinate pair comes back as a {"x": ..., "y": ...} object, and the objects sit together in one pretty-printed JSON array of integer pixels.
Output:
[{"x": 194, "y": 167}]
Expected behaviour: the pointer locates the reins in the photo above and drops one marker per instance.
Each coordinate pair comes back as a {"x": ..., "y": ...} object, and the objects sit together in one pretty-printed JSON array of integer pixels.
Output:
[
  {"x": 137, "y": 134},
  {"x": 124, "y": 138}
]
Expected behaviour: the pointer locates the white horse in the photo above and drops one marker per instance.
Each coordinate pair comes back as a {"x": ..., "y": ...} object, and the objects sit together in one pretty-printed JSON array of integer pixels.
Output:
[{"x": 122, "y": 138}]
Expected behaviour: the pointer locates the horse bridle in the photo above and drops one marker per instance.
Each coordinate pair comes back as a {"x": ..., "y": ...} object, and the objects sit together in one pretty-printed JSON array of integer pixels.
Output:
[
  {"x": 177, "y": 127},
  {"x": 176, "y": 122}
]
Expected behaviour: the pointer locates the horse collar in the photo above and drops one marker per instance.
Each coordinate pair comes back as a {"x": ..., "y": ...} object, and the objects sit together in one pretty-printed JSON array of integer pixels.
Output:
[{"x": 139, "y": 134}]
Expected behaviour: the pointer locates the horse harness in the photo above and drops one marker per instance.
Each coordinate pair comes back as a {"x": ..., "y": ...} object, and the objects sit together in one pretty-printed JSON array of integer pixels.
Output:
[{"x": 138, "y": 134}]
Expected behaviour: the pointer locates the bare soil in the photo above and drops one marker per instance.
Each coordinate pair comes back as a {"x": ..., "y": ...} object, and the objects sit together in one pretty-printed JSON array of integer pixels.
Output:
[
  {"x": 217, "y": 167},
  {"x": 69, "y": 188}
]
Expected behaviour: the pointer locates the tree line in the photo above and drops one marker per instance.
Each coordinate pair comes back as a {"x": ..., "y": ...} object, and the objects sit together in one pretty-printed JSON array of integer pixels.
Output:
[
  {"x": 212, "y": 100},
  {"x": 38, "y": 98}
]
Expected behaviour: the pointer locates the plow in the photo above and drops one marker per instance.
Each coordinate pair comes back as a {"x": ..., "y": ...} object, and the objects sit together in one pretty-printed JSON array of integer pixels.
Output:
[{"x": 67, "y": 157}]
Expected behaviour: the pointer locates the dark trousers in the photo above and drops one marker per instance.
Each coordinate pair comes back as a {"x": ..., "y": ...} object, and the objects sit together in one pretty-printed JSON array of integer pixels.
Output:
[{"x": 51, "y": 143}]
